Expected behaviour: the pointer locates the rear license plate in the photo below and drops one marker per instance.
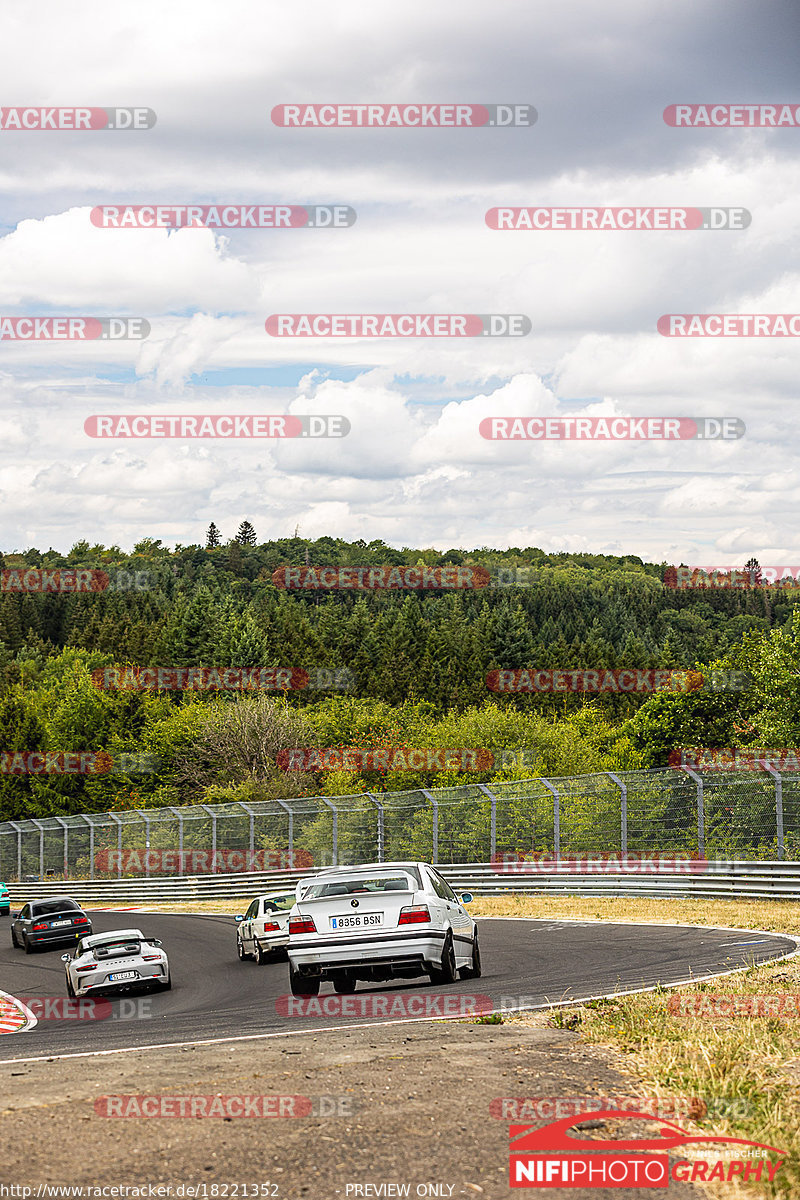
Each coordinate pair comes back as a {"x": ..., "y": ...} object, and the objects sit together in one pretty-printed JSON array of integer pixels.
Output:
[
  {"x": 55, "y": 924},
  {"x": 123, "y": 975},
  {"x": 357, "y": 921}
]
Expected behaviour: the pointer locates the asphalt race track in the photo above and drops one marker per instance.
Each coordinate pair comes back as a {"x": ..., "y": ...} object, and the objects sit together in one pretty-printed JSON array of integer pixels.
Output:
[{"x": 214, "y": 995}]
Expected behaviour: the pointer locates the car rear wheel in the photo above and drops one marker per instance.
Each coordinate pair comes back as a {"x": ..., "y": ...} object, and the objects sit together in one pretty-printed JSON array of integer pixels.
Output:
[
  {"x": 260, "y": 955},
  {"x": 447, "y": 972},
  {"x": 240, "y": 947},
  {"x": 303, "y": 985},
  {"x": 70, "y": 988},
  {"x": 26, "y": 944},
  {"x": 345, "y": 985},
  {"x": 473, "y": 971},
  {"x": 167, "y": 987},
  {"x": 14, "y": 941}
]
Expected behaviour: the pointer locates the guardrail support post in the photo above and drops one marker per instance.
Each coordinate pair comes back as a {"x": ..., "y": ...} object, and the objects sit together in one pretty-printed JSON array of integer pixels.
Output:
[
  {"x": 492, "y": 822},
  {"x": 701, "y": 813},
  {"x": 379, "y": 807},
  {"x": 435, "y": 831},
  {"x": 778, "y": 806},
  {"x": 556, "y": 818},
  {"x": 335, "y": 811},
  {"x": 623, "y": 801}
]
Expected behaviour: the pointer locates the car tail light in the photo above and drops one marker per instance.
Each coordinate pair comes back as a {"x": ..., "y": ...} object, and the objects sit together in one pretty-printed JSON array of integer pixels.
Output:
[
  {"x": 81, "y": 921},
  {"x": 41, "y": 925},
  {"x": 269, "y": 926},
  {"x": 302, "y": 925},
  {"x": 87, "y": 967},
  {"x": 415, "y": 914},
  {"x": 151, "y": 958}
]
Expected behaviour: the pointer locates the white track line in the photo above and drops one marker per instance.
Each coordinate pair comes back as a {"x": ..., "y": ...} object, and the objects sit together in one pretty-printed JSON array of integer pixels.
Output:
[{"x": 260, "y": 1037}]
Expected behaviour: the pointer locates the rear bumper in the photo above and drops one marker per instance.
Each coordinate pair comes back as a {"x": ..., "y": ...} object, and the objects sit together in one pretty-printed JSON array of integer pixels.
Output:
[
  {"x": 383, "y": 954},
  {"x": 52, "y": 937},
  {"x": 104, "y": 987}
]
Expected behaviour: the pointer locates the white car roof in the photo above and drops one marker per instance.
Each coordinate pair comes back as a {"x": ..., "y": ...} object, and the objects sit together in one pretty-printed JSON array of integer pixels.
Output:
[
  {"x": 382, "y": 866},
  {"x": 115, "y": 935}
]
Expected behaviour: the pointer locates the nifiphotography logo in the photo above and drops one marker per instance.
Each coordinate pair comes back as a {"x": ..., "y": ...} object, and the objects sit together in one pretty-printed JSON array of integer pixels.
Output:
[{"x": 547, "y": 1157}]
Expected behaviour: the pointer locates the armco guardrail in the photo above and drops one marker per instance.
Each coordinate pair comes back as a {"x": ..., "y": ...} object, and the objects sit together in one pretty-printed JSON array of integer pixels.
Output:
[{"x": 721, "y": 880}]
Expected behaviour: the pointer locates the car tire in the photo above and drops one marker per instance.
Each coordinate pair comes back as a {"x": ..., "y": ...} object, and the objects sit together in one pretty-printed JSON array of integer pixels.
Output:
[
  {"x": 166, "y": 987},
  {"x": 303, "y": 985},
  {"x": 26, "y": 944},
  {"x": 473, "y": 971},
  {"x": 14, "y": 941},
  {"x": 344, "y": 985},
  {"x": 260, "y": 955},
  {"x": 240, "y": 948},
  {"x": 447, "y": 973},
  {"x": 70, "y": 988}
]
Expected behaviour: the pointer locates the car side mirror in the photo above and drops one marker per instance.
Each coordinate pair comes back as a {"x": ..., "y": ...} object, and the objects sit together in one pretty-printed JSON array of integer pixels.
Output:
[
  {"x": 153, "y": 942},
  {"x": 240, "y": 918},
  {"x": 65, "y": 957},
  {"x": 466, "y": 897},
  {"x": 15, "y": 916}
]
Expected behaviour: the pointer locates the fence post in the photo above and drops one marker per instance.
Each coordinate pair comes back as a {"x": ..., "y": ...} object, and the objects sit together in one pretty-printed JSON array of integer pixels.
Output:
[
  {"x": 213, "y": 816},
  {"x": 778, "y": 806},
  {"x": 435, "y": 808},
  {"x": 492, "y": 823},
  {"x": 90, "y": 823},
  {"x": 251, "y": 815},
  {"x": 556, "y": 818},
  {"x": 701, "y": 814},
  {"x": 65, "y": 827},
  {"x": 172, "y": 809},
  {"x": 146, "y": 820},
  {"x": 119, "y": 844},
  {"x": 290, "y": 811},
  {"x": 18, "y": 829},
  {"x": 623, "y": 801},
  {"x": 333, "y": 807},
  {"x": 40, "y": 827},
  {"x": 379, "y": 807}
]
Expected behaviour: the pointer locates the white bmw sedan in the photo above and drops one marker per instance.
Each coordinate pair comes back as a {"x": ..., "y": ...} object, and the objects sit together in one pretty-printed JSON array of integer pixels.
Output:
[
  {"x": 264, "y": 927},
  {"x": 116, "y": 961},
  {"x": 378, "y": 922}
]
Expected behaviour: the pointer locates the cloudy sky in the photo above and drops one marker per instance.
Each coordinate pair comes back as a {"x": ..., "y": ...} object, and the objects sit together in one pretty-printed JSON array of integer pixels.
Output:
[{"x": 414, "y": 468}]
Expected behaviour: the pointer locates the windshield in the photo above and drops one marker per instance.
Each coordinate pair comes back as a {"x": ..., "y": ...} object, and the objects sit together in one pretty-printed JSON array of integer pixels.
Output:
[
  {"x": 44, "y": 907},
  {"x": 359, "y": 883}
]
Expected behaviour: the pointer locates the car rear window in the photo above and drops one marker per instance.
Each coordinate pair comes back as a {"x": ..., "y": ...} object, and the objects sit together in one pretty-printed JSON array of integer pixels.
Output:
[
  {"x": 278, "y": 903},
  {"x": 46, "y": 907},
  {"x": 359, "y": 883}
]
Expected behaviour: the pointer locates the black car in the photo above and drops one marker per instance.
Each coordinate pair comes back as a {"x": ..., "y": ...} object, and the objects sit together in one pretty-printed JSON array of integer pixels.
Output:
[{"x": 48, "y": 923}]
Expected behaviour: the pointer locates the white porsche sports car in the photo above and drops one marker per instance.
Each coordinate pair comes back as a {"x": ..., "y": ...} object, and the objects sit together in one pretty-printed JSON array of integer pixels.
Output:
[
  {"x": 378, "y": 922},
  {"x": 264, "y": 927},
  {"x": 116, "y": 961}
]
